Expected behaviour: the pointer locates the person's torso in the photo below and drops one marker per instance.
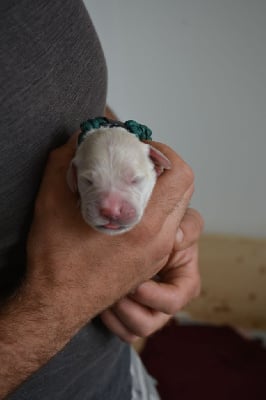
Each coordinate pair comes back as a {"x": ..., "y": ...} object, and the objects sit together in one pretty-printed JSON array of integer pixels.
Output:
[{"x": 53, "y": 76}]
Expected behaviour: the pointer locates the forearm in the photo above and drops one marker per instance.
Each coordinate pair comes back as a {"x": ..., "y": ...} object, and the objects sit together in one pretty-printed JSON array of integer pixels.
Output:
[
  {"x": 37, "y": 322},
  {"x": 32, "y": 330}
]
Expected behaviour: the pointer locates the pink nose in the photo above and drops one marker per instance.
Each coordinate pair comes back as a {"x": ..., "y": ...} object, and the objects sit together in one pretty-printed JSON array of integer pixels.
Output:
[
  {"x": 112, "y": 212},
  {"x": 114, "y": 207}
]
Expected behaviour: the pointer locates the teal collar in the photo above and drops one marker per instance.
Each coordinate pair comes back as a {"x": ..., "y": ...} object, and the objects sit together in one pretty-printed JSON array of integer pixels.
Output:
[{"x": 142, "y": 132}]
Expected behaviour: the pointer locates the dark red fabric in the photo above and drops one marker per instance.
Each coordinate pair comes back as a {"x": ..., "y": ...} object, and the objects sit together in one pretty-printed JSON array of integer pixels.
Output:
[{"x": 205, "y": 362}]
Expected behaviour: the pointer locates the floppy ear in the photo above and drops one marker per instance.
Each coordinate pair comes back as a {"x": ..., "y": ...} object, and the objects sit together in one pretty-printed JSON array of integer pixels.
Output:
[
  {"x": 72, "y": 177},
  {"x": 159, "y": 160}
]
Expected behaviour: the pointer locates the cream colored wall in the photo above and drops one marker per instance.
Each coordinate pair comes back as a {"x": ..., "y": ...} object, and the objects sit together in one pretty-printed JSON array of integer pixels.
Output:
[{"x": 233, "y": 273}]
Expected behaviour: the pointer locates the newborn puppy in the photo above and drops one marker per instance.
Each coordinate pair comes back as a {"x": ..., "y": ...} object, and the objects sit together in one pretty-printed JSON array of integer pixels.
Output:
[{"x": 114, "y": 173}]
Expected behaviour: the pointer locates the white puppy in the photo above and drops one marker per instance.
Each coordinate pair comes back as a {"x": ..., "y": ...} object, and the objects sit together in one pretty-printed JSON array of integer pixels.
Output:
[{"x": 114, "y": 173}]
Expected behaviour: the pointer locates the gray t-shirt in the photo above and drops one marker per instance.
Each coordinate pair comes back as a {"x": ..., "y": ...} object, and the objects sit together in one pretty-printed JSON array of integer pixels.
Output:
[{"x": 53, "y": 76}]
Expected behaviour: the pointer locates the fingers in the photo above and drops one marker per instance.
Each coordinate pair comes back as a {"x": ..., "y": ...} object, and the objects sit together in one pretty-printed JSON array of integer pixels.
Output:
[
  {"x": 153, "y": 303},
  {"x": 168, "y": 298},
  {"x": 179, "y": 282},
  {"x": 189, "y": 230},
  {"x": 129, "y": 320},
  {"x": 110, "y": 319}
]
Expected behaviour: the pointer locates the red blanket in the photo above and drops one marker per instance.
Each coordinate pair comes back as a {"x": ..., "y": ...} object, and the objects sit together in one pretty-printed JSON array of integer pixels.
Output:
[{"x": 206, "y": 362}]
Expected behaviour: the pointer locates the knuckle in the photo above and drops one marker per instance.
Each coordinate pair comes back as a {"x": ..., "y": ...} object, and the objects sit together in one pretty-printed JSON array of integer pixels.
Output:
[
  {"x": 172, "y": 308},
  {"x": 194, "y": 288},
  {"x": 144, "y": 330},
  {"x": 173, "y": 304},
  {"x": 196, "y": 230},
  {"x": 176, "y": 302},
  {"x": 198, "y": 221},
  {"x": 189, "y": 173}
]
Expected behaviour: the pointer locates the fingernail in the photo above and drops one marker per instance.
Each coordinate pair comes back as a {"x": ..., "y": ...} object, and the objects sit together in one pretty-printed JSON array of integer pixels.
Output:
[{"x": 179, "y": 235}]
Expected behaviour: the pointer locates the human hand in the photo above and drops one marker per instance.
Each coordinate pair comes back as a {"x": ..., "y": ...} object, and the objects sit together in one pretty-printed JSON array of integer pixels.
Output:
[
  {"x": 154, "y": 302},
  {"x": 74, "y": 273},
  {"x": 80, "y": 271}
]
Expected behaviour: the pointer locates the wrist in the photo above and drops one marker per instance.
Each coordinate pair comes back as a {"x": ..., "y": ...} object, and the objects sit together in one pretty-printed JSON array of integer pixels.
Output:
[{"x": 56, "y": 304}]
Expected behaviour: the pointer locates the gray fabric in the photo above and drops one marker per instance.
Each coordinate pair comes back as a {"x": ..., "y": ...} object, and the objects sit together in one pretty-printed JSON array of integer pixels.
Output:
[{"x": 52, "y": 77}]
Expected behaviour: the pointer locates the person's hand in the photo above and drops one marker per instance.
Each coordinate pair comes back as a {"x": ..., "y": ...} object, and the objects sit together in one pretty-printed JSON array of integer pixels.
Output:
[
  {"x": 81, "y": 272},
  {"x": 74, "y": 272},
  {"x": 154, "y": 302}
]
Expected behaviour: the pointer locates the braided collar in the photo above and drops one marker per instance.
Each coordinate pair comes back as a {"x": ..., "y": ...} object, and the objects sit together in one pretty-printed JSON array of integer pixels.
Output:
[{"x": 142, "y": 132}]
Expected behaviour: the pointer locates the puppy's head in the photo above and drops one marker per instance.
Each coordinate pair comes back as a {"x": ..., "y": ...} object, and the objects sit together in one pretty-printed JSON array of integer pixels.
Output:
[{"x": 114, "y": 174}]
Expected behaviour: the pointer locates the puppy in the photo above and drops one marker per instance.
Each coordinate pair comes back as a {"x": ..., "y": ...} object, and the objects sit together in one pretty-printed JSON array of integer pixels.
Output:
[{"x": 114, "y": 174}]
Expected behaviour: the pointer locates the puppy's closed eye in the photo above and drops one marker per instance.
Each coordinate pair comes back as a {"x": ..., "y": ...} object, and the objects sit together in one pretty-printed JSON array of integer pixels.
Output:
[{"x": 137, "y": 179}]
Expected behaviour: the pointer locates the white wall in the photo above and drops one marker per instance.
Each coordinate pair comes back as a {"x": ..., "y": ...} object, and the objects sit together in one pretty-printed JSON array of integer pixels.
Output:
[{"x": 195, "y": 72}]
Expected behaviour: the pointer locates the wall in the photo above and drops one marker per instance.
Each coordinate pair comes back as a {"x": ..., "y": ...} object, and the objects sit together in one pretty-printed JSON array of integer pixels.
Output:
[
  {"x": 195, "y": 71},
  {"x": 233, "y": 272}
]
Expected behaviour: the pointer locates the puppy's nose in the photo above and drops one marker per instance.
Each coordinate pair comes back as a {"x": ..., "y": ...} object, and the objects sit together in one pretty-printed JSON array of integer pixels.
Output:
[
  {"x": 115, "y": 208},
  {"x": 111, "y": 212}
]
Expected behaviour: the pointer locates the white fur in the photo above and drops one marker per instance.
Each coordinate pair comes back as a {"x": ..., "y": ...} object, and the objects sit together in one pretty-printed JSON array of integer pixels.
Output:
[{"x": 111, "y": 160}]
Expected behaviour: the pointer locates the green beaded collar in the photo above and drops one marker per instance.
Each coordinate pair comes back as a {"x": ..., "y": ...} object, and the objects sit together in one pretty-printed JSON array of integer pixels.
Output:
[{"x": 141, "y": 131}]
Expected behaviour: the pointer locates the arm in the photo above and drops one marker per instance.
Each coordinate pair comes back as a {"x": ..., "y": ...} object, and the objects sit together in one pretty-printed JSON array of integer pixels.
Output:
[{"x": 65, "y": 258}]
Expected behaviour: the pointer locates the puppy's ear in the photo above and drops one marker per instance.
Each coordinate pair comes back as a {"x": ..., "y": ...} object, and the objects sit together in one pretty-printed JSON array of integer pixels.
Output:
[
  {"x": 72, "y": 177},
  {"x": 159, "y": 160}
]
